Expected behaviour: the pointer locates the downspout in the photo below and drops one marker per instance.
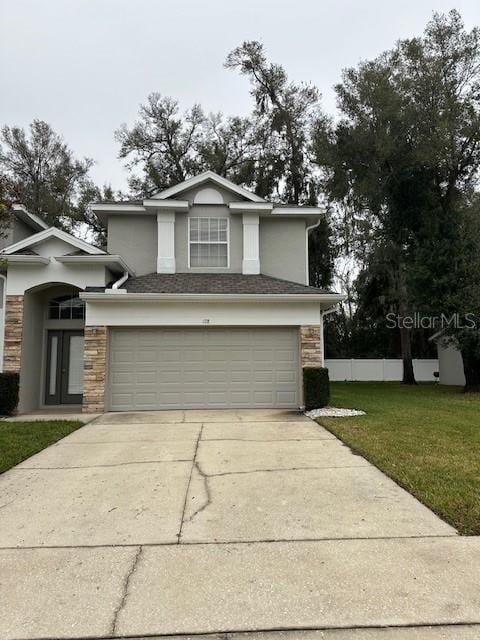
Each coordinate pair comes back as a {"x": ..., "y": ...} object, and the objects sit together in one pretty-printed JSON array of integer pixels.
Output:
[
  {"x": 2, "y": 323},
  {"x": 116, "y": 285},
  {"x": 307, "y": 231}
]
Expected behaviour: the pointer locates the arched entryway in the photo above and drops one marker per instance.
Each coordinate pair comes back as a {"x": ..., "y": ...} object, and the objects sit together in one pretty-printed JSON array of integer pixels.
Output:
[{"x": 52, "y": 347}]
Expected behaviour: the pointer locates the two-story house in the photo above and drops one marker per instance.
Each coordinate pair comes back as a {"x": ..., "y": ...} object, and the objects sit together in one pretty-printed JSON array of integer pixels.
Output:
[{"x": 200, "y": 301}]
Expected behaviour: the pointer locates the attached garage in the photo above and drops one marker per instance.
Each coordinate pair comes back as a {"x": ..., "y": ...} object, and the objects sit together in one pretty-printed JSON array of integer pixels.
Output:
[{"x": 154, "y": 368}]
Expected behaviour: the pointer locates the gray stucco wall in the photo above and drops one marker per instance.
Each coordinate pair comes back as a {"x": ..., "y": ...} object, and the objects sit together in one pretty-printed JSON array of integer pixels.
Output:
[
  {"x": 282, "y": 241},
  {"x": 6, "y": 237},
  {"x": 21, "y": 231},
  {"x": 282, "y": 249},
  {"x": 17, "y": 231},
  {"x": 135, "y": 239}
]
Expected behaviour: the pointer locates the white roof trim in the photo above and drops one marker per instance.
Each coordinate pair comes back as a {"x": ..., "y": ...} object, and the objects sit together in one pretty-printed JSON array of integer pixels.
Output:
[
  {"x": 52, "y": 232},
  {"x": 21, "y": 259},
  {"x": 172, "y": 205},
  {"x": 206, "y": 177},
  {"x": 299, "y": 211},
  {"x": 28, "y": 218},
  {"x": 259, "y": 207},
  {"x": 116, "y": 207},
  {"x": 106, "y": 259}
]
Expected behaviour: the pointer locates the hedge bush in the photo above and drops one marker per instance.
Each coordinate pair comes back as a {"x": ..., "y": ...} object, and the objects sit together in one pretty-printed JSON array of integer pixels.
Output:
[
  {"x": 9, "y": 385},
  {"x": 316, "y": 387}
]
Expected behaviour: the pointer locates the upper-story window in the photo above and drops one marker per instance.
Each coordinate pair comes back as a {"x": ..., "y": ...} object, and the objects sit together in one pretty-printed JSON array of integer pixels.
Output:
[
  {"x": 208, "y": 242},
  {"x": 69, "y": 307}
]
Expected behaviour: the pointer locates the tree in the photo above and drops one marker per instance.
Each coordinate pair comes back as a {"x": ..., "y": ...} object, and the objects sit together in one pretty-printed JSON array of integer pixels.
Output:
[
  {"x": 162, "y": 143},
  {"x": 405, "y": 150},
  {"x": 285, "y": 113},
  {"x": 42, "y": 172},
  {"x": 5, "y": 206},
  {"x": 465, "y": 294},
  {"x": 445, "y": 93},
  {"x": 94, "y": 229},
  {"x": 284, "y": 110},
  {"x": 229, "y": 147},
  {"x": 168, "y": 146}
]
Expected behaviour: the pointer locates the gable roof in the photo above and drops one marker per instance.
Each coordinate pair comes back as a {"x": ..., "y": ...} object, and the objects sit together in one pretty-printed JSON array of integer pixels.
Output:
[
  {"x": 202, "y": 178},
  {"x": 52, "y": 232},
  {"x": 30, "y": 219}
]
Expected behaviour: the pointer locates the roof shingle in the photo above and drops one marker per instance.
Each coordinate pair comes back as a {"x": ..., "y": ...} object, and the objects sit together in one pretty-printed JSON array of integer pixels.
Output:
[{"x": 216, "y": 283}]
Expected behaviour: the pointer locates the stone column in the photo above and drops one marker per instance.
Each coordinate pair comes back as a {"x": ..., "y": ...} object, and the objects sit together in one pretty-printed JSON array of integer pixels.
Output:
[
  {"x": 95, "y": 368},
  {"x": 12, "y": 351},
  {"x": 311, "y": 346}
]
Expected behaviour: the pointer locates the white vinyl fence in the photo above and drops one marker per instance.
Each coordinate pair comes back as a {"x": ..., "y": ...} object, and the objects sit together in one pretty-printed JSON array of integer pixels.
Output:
[{"x": 378, "y": 370}]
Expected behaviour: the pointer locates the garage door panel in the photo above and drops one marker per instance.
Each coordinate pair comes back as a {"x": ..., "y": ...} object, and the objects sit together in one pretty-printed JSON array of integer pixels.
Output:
[
  {"x": 285, "y": 377},
  {"x": 217, "y": 377},
  {"x": 146, "y": 377},
  {"x": 285, "y": 398},
  {"x": 264, "y": 397},
  {"x": 264, "y": 376},
  {"x": 196, "y": 355},
  {"x": 153, "y": 368},
  {"x": 123, "y": 356},
  {"x": 171, "y": 398},
  {"x": 240, "y": 398}
]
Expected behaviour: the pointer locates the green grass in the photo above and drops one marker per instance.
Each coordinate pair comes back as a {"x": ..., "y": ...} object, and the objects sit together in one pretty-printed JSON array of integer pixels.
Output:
[
  {"x": 427, "y": 438},
  {"x": 20, "y": 440}
]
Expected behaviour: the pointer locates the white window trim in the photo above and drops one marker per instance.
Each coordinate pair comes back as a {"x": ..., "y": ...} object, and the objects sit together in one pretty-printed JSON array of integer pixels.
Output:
[{"x": 189, "y": 242}]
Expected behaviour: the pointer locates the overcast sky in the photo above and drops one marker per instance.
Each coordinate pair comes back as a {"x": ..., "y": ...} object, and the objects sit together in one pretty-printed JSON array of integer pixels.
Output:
[{"x": 84, "y": 66}]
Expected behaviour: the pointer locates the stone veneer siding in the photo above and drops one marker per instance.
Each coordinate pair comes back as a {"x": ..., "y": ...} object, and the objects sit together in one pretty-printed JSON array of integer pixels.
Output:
[
  {"x": 95, "y": 367},
  {"x": 12, "y": 350},
  {"x": 310, "y": 346}
]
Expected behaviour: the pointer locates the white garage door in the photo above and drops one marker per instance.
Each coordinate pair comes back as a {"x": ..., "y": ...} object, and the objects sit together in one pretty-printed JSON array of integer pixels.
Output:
[{"x": 153, "y": 368}]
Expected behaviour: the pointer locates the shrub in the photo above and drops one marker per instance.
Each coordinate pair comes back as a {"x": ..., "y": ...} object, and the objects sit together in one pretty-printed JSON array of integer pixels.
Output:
[
  {"x": 316, "y": 387},
  {"x": 9, "y": 385}
]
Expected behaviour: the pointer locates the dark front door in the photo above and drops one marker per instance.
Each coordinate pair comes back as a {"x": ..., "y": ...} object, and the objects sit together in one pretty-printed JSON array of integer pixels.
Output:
[{"x": 64, "y": 379}]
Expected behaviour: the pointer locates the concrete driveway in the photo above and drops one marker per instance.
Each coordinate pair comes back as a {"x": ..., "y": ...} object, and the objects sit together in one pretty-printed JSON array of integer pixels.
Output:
[{"x": 158, "y": 523}]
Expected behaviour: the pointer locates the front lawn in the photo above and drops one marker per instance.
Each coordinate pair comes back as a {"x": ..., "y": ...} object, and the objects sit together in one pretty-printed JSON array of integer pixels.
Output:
[
  {"x": 427, "y": 438},
  {"x": 20, "y": 440}
]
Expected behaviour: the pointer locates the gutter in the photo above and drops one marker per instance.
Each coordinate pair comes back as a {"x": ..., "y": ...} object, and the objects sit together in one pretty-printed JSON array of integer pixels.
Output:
[
  {"x": 24, "y": 259},
  {"x": 109, "y": 295},
  {"x": 105, "y": 259}
]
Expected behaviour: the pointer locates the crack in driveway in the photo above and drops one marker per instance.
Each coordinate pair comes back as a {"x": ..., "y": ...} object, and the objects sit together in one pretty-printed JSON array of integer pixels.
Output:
[
  {"x": 208, "y": 501},
  {"x": 125, "y": 594},
  {"x": 208, "y": 492},
  {"x": 101, "y": 466},
  {"x": 179, "y": 534},
  {"x": 240, "y": 473}
]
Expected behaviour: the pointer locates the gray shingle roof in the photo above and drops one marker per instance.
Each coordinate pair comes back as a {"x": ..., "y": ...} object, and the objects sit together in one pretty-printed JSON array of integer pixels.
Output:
[{"x": 215, "y": 283}]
